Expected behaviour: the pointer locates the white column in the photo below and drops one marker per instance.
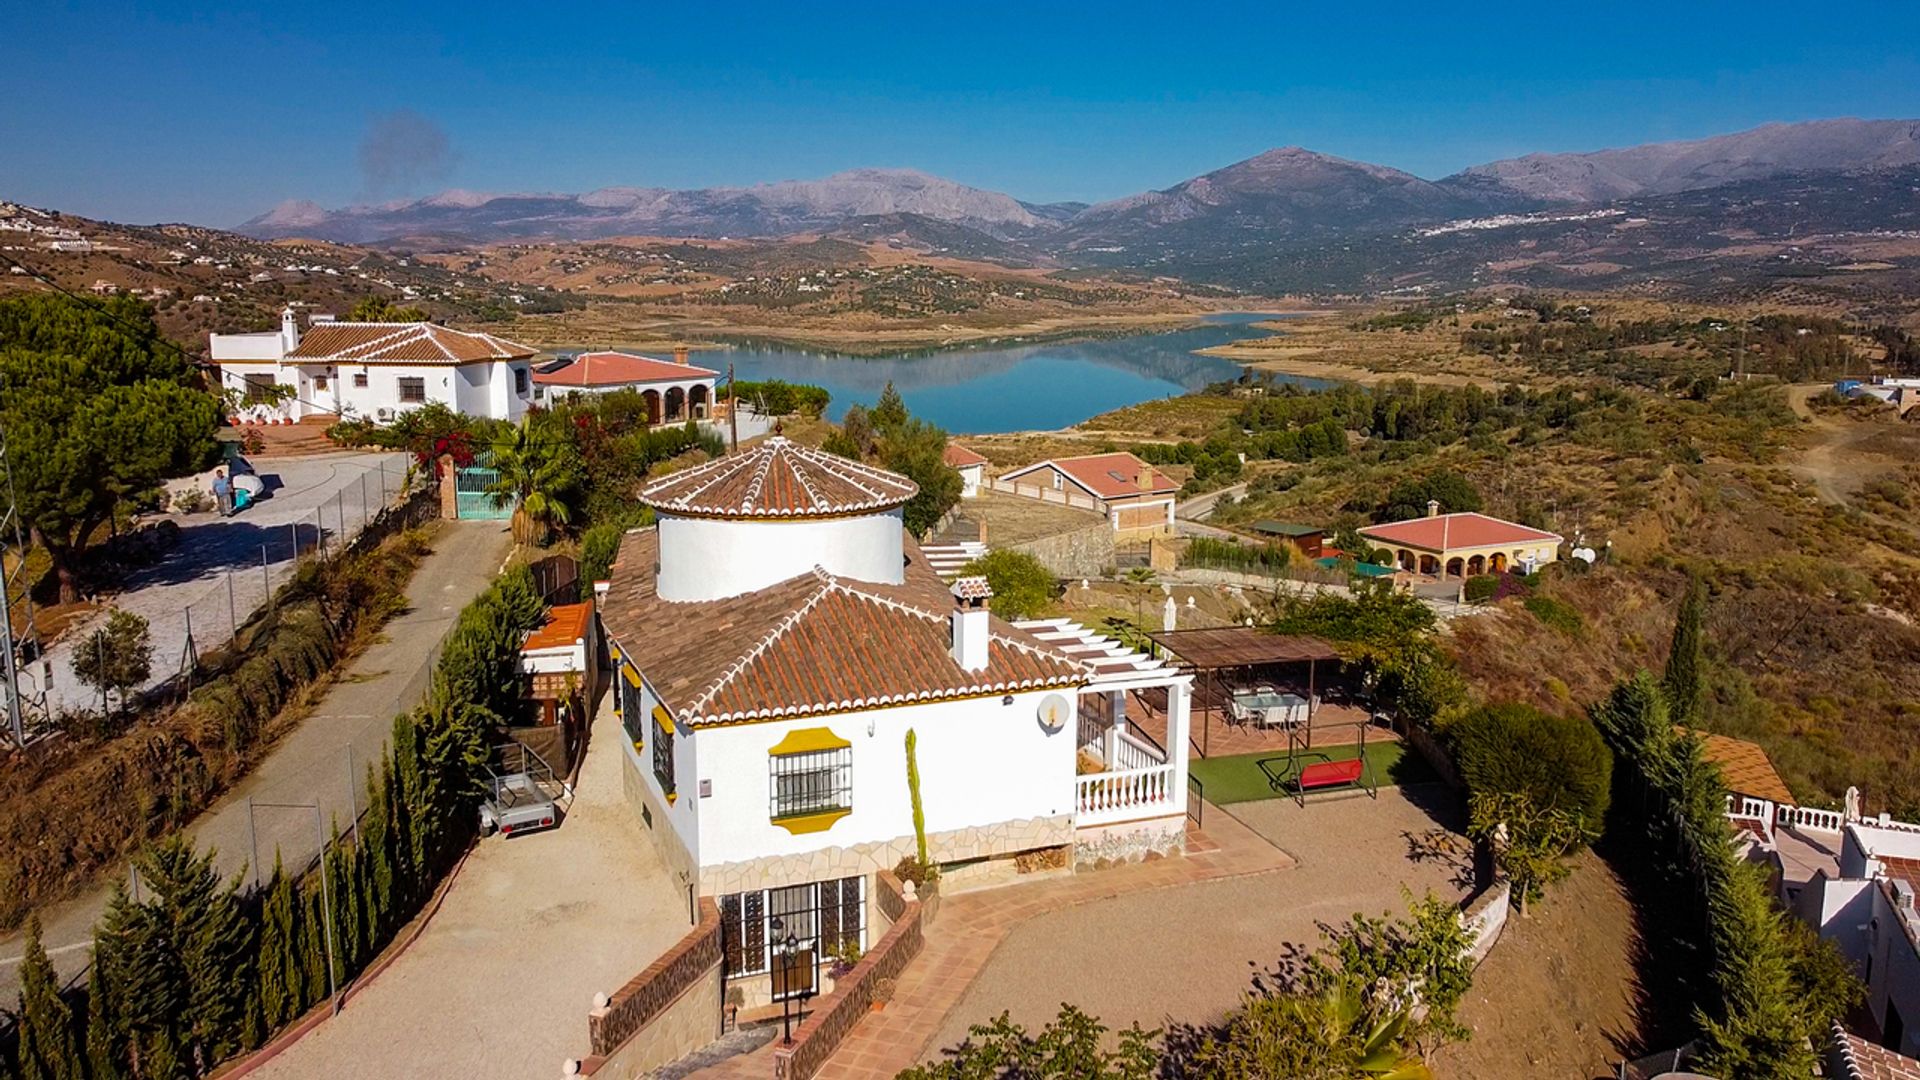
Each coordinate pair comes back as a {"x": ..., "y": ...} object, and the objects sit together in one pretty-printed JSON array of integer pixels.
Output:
[{"x": 1179, "y": 724}]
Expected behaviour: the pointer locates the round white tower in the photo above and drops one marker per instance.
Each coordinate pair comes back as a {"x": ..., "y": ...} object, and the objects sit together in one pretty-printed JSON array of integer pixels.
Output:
[{"x": 744, "y": 522}]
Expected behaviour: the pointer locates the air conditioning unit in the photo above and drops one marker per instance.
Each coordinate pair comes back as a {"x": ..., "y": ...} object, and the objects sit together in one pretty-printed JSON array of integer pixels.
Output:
[{"x": 383, "y": 414}]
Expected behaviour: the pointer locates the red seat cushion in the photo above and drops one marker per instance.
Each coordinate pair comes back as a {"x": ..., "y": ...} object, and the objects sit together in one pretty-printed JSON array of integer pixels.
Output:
[{"x": 1330, "y": 773}]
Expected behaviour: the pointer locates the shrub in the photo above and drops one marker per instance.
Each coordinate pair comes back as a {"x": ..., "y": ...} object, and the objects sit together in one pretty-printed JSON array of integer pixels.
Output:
[
  {"x": 1022, "y": 587},
  {"x": 1554, "y": 762},
  {"x": 1556, "y": 614},
  {"x": 1482, "y": 588}
]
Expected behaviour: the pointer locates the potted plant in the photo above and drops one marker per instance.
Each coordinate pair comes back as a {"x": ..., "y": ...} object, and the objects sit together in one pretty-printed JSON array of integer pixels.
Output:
[{"x": 882, "y": 993}]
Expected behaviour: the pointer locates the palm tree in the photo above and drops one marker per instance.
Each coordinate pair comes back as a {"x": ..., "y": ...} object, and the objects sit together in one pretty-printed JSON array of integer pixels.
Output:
[{"x": 536, "y": 472}]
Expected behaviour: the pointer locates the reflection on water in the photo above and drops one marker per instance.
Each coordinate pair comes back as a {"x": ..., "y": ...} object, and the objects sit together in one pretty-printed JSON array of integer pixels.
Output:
[{"x": 1009, "y": 388}]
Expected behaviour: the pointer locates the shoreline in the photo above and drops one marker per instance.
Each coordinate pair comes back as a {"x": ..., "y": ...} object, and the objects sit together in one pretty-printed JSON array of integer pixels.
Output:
[
  {"x": 663, "y": 335},
  {"x": 1257, "y": 358}
]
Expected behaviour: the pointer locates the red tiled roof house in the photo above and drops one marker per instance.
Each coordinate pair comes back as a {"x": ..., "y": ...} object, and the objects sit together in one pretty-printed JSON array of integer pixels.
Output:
[
  {"x": 777, "y": 635},
  {"x": 1463, "y": 544},
  {"x": 971, "y": 467},
  {"x": 374, "y": 371},
  {"x": 1133, "y": 496},
  {"x": 673, "y": 390}
]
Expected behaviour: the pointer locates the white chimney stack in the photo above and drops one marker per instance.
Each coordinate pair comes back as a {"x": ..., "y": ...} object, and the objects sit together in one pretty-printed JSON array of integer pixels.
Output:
[
  {"x": 1433, "y": 507},
  {"x": 970, "y": 630},
  {"x": 289, "y": 331}
]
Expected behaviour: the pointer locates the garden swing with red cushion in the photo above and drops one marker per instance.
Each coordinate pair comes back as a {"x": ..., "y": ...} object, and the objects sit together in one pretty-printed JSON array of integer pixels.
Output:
[{"x": 1302, "y": 774}]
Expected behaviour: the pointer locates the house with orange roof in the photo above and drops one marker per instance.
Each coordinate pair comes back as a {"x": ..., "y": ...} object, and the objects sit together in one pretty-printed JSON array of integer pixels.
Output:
[
  {"x": 1460, "y": 545},
  {"x": 786, "y": 659},
  {"x": 673, "y": 390},
  {"x": 372, "y": 370},
  {"x": 971, "y": 467},
  {"x": 1135, "y": 498}
]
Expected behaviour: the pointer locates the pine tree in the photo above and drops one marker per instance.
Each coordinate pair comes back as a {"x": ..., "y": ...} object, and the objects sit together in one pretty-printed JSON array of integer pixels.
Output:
[
  {"x": 1685, "y": 678},
  {"x": 106, "y": 1033},
  {"x": 204, "y": 946},
  {"x": 48, "y": 1050}
]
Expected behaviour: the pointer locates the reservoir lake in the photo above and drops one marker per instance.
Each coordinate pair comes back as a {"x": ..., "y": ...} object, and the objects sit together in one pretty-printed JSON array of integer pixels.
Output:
[{"x": 1003, "y": 387}]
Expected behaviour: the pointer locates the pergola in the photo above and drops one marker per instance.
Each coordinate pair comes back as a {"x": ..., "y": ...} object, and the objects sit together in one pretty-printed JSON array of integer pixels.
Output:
[{"x": 1206, "y": 650}]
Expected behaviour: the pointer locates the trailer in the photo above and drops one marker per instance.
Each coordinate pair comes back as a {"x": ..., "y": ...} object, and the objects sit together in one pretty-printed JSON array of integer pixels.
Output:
[{"x": 522, "y": 793}]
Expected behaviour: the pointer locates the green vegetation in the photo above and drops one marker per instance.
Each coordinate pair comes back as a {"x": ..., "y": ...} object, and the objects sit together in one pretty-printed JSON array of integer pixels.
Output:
[
  {"x": 1411, "y": 499},
  {"x": 1538, "y": 784},
  {"x": 1555, "y": 614},
  {"x": 1388, "y": 638},
  {"x": 196, "y": 971},
  {"x": 99, "y": 410},
  {"x": 116, "y": 789},
  {"x": 117, "y": 658},
  {"x": 1346, "y": 1011},
  {"x": 1684, "y": 681},
  {"x": 776, "y": 398},
  {"x": 1252, "y": 558},
  {"x": 540, "y": 473},
  {"x": 890, "y": 437},
  {"x": 380, "y": 309},
  {"x": 1233, "y": 778},
  {"x": 1022, "y": 587},
  {"x": 1770, "y": 989}
]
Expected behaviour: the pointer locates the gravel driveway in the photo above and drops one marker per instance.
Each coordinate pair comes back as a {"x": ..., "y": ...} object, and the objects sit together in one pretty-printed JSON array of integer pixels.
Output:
[{"x": 1186, "y": 953}]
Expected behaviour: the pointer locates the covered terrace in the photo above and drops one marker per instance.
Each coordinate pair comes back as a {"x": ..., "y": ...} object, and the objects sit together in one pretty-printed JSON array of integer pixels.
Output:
[{"x": 1252, "y": 688}]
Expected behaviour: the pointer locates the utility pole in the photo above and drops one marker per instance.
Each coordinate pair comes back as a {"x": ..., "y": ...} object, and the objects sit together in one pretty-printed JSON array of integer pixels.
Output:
[
  {"x": 15, "y": 598},
  {"x": 733, "y": 409}
]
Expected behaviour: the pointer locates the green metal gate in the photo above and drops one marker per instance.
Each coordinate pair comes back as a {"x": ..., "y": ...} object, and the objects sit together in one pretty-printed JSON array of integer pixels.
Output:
[{"x": 471, "y": 501}]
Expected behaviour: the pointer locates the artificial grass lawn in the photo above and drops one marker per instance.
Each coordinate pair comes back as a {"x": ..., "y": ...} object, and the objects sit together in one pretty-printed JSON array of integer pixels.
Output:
[{"x": 1239, "y": 778}]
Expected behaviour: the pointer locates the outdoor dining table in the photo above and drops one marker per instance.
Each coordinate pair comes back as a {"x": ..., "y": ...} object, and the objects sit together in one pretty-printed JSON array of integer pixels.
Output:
[{"x": 1272, "y": 708}]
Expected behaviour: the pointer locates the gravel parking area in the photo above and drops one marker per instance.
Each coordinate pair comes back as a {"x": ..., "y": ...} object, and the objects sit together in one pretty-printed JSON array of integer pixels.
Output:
[
  {"x": 1186, "y": 953},
  {"x": 337, "y": 492},
  {"x": 500, "y": 982}
]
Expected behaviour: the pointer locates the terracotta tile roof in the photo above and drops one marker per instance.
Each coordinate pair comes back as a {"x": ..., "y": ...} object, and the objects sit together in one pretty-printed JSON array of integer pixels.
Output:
[
  {"x": 1450, "y": 532},
  {"x": 565, "y": 625},
  {"x": 971, "y": 588},
  {"x": 1859, "y": 1059},
  {"x": 414, "y": 342},
  {"x": 1108, "y": 476},
  {"x": 619, "y": 369},
  {"x": 1746, "y": 768},
  {"x": 1899, "y": 869},
  {"x": 808, "y": 645},
  {"x": 779, "y": 479},
  {"x": 960, "y": 457}
]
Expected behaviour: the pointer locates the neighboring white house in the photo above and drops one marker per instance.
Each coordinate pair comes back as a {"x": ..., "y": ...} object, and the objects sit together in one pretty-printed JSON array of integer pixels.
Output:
[
  {"x": 1866, "y": 907},
  {"x": 374, "y": 371},
  {"x": 971, "y": 466},
  {"x": 778, "y": 637},
  {"x": 673, "y": 390}
]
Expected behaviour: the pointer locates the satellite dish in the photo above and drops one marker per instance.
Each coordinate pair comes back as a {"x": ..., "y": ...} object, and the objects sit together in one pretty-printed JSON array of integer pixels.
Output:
[
  {"x": 1053, "y": 712},
  {"x": 1584, "y": 554}
]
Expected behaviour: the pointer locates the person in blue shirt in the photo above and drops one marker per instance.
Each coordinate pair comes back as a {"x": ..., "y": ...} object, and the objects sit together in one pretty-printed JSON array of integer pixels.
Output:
[{"x": 222, "y": 492}]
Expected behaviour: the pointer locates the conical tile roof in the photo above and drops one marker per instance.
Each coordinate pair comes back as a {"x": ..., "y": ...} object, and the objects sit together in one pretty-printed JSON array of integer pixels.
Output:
[{"x": 779, "y": 479}]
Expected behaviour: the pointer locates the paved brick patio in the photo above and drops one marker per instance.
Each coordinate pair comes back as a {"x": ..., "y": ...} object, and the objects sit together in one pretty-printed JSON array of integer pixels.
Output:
[{"x": 971, "y": 925}]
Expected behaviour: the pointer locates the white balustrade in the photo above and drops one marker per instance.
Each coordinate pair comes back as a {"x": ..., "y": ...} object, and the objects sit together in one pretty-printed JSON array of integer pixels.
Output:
[
  {"x": 1105, "y": 798},
  {"x": 1130, "y": 753},
  {"x": 1801, "y": 817}
]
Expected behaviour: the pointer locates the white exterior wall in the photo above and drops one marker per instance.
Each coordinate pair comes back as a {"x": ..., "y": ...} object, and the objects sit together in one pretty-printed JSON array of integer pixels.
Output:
[
  {"x": 981, "y": 763},
  {"x": 710, "y": 558},
  {"x": 682, "y": 810},
  {"x": 970, "y": 478},
  {"x": 1893, "y": 972},
  {"x": 559, "y": 660}
]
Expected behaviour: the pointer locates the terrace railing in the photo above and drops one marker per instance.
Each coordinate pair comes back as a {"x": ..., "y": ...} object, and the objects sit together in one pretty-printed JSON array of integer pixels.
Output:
[{"x": 1128, "y": 795}]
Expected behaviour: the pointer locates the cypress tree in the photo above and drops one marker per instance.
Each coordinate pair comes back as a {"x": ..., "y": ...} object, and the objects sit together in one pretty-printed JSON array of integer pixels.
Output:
[
  {"x": 278, "y": 963},
  {"x": 1685, "y": 678},
  {"x": 160, "y": 1057},
  {"x": 207, "y": 945},
  {"x": 106, "y": 1032},
  {"x": 313, "y": 946},
  {"x": 47, "y": 1048},
  {"x": 376, "y": 851}
]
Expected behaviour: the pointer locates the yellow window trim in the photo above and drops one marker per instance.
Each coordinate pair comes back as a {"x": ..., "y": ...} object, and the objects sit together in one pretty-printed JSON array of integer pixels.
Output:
[
  {"x": 809, "y": 740},
  {"x": 812, "y": 823},
  {"x": 632, "y": 676},
  {"x": 660, "y": 717}
]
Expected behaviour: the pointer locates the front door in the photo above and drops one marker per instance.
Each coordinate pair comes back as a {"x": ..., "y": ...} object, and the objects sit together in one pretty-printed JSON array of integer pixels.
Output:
[{"x": 317, "y": 393}]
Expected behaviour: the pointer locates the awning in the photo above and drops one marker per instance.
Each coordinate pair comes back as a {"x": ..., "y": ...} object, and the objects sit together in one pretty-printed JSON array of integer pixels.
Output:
[{"x": 1213, "y": 648}]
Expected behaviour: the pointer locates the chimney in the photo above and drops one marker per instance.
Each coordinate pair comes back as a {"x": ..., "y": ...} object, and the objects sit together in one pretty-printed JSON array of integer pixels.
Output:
[
  {"x": 289, "y": 331},
  {"x": 1433, "y": 507},
  {"x": 1144, "y": 477},
  {"x": 969, "y": 648},
  {"x": 680, "y": 354}
]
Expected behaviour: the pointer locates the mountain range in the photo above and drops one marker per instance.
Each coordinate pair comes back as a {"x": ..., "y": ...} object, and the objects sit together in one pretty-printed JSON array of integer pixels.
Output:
[{"x": 1289, "y": 193}]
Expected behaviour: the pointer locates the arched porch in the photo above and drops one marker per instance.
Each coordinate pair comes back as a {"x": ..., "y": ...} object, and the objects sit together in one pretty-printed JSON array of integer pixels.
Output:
[
  {"x": 699, "y": 400},
  {"x": 652, "y": 400},
  {"x": 676, "y": 403}
]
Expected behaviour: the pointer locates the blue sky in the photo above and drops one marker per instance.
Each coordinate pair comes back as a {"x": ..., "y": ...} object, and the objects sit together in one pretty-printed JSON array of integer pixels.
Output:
[{"x": 214, "y": 114}]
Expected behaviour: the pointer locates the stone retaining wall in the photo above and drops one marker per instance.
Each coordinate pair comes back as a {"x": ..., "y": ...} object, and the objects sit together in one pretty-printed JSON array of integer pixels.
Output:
[
  {"x": 1081, "y": 553},
  {"x": 1485, "y": 916},
  {"x": 664, "y": 1013},
  {"x": 835, "y": 1017},
  {"x": 1104, "y": 846}
]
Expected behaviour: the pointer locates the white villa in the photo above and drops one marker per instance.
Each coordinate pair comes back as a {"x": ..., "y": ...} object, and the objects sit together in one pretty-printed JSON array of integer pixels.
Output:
[
  {"x": 673, "y": 390},
  {"x": 778, "y": 638},
  {"x": 374, "y": 371}
]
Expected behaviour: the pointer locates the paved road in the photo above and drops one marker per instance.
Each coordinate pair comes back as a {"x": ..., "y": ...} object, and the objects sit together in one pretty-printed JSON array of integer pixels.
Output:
[
  {"x": 1201, "y": 506},
  {"x": 190, "y": 586},
  {"x": 346, "y": 730}
]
